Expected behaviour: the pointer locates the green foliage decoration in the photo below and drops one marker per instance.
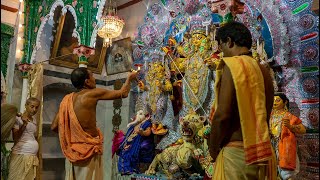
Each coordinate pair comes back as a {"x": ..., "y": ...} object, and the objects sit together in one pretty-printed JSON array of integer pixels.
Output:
[
  {"x": 7, "y": 33},
  {"x": 36, "y": 10}
]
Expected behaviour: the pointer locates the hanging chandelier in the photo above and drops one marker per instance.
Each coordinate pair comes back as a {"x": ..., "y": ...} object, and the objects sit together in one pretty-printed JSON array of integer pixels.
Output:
[{"x": 110, "y": 26}]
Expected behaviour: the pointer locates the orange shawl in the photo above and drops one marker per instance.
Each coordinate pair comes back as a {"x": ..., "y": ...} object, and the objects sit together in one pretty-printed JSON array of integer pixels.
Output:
[
  {"x": 76, "y": 144},
  {"x": 250, "y": 91},
  {"x": 288, "y": 145}
]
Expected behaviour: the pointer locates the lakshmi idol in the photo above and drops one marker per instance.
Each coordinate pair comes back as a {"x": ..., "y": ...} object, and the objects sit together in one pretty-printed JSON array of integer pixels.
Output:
[{"x": 283, "y": 129}]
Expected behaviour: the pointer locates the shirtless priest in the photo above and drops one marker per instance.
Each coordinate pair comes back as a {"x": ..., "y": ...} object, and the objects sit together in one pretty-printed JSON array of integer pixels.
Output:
[{"x": 80, "y": 139}]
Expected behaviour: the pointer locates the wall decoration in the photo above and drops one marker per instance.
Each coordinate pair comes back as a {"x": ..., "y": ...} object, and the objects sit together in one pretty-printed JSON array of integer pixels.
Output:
[
  {"x": 66, "y": 40},
  {"x": 96, "y": 61},
  {"x": 93, "y": 11},
  {"x": 119, "y": 56},
  {"x": 117, "y": 103},
  {"x": 6, "y": 35},
  {"x": 64, "y": 43}
]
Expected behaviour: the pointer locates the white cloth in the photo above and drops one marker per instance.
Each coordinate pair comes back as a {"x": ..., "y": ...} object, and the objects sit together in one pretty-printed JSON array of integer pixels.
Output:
[
  {"x": 90, "y": 170},
  {"x": 27, "y": 144},
  {"x": 23, "y": 167},
  {"x": 286, "y": 174}
]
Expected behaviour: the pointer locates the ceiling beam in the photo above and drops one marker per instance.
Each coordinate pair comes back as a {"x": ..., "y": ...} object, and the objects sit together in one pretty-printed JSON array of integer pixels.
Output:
[
  {"x": 130, "y": 3},
  {"x": 7, "y": 8}
]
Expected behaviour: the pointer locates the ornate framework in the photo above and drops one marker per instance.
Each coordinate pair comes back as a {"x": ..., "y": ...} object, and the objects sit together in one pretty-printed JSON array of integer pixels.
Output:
[{"x": 86, "y": 13}]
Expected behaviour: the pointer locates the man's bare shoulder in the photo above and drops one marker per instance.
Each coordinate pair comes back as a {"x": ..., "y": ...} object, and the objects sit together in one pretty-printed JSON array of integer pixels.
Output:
[
  {"x": 266, "y": 73},
  {"x": 94, "y": 92},
  {"x": 97, "y": 94},
  {"x": 84, "y": 97},
  {"x": 269, "y": 89},
  {"x": 226, "y": 73},
  {"x": 225, "y": 69}
]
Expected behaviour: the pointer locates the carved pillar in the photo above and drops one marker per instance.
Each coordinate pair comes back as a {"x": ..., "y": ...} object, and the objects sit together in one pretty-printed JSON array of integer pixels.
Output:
[
  {"x": 117, "y": 103},
  {"x": 83, "y": 52},
  {"x": 24, "y": 68}
]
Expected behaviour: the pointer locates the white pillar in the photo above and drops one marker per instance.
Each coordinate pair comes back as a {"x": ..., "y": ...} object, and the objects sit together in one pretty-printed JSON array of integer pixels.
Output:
[
  {"x": 12, "y": 59},
  {"x": 25, "y": 87}
]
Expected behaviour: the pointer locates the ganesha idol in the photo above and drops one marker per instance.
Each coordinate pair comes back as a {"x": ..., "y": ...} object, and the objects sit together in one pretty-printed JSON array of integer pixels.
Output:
[{"x": 137, "y": 146}]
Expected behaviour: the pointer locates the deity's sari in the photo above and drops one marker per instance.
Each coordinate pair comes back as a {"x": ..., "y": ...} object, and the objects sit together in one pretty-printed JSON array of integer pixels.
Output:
[{"x": 135, "y": 149}]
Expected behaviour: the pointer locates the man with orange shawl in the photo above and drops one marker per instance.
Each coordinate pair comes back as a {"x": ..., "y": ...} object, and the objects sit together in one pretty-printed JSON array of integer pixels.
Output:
[
  {"x": 283, "y": 129},
  {"x": 80, "y": 139},
  {"x": 239, "y": 141}
]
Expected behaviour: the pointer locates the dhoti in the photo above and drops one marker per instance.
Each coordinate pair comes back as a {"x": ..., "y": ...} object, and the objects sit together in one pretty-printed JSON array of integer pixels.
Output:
[
  {"x": 230, "y": 165},
  {"x": 23, "y": 167},
  {"x": 91, "y": 170}
]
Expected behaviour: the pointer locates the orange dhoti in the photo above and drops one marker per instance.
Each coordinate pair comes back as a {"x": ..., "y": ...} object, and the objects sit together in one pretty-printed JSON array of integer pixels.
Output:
[{"x": 81, "y": 150}]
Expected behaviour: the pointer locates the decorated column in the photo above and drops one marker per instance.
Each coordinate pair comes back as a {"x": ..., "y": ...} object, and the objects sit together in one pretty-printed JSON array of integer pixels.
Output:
[
  {"x": 83, "y": 52},
  {"x": 24, "y": 68}
]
